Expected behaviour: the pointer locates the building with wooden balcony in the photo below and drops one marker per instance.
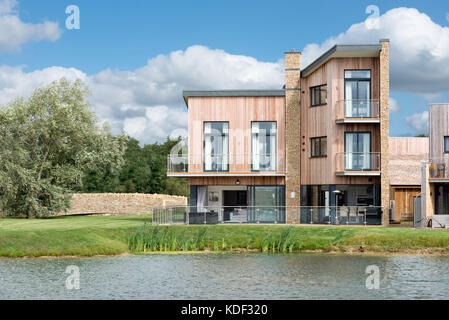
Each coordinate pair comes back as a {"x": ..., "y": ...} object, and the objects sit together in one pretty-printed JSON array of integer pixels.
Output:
[
  {"x": 435, "y": 172},
  {"x": 321, "y": 141}
]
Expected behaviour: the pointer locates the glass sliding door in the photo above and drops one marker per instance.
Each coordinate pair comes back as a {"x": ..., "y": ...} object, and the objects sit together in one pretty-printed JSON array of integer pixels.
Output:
[
  {"x": 263, "y": 146},
  {"x": 441, "y": 199},
  {"x": 358, "y": 94},
  {"x": 267, "y": 204},
  {"x": 216, "y": 146},
  {"x": 357, "y": 151}
]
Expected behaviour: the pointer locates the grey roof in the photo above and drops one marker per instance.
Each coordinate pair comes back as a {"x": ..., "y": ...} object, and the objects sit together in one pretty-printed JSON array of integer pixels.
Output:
[
  {"x": 343, "y": 49},
  {"x": 232, "y": 93}
]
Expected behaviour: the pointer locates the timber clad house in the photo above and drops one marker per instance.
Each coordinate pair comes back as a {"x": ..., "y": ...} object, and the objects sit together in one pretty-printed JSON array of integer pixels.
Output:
[
  {"x": 435, "y": 172},
  {"x": 315, "y": 151}
]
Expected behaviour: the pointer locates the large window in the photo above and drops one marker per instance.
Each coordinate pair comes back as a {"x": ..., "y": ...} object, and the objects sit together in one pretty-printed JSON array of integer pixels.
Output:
[
  {"x": 446, "y": 144},
  {"x": 318, "y": 147},
  {"x": 358, "y": 93},
  {"x": 263, "y": 146},
  {"x": 216, "y": 146},
  {"x": 358, "y": 151},
  {"x": 318, "y": 95},
  {"x": 267, "y": 204}
]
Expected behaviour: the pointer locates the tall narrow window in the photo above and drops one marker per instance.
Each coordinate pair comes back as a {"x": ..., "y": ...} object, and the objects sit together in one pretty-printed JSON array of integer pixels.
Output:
[
  {"x": 263, "y": 146},
  {"x": 216, "y": 146},
  {"x": 318, "y": 95},
  {"x": 358, "y": 94},
  {"x": 358, "y": 151},
  {"x": 446, "y": 144},
  {"x": 318, "y": 147}
]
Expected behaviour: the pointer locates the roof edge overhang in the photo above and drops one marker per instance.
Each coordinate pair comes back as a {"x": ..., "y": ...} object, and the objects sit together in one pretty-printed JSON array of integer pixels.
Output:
[
  {"x": 344, "y": 51},
  {"x": 231, "y": 93}
]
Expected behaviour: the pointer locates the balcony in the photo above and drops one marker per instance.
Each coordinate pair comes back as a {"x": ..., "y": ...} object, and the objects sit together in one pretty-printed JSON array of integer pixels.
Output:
[
  {"x": 358, "y": 111},
  {"x": 358, "y": 164},
  {"x": 226, "y": 165},
  {"x": 439, "y": 170}
]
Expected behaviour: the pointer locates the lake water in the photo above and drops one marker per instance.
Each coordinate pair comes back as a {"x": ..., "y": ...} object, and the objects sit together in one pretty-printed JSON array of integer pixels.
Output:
[{"x": 227, "y": 276}]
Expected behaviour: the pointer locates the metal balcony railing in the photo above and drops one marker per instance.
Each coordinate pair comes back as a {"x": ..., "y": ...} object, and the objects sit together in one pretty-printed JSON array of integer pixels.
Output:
[
  {"x": 232, "y": 163},
  {"x": 439, "y": 168},
  {"x": 333, "y": 215},
  {"x": 357, "y": 109},
  {"x": 358, "y": 161}
]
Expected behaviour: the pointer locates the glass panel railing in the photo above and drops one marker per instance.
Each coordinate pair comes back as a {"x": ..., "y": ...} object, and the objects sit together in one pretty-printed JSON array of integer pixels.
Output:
[
  {"x": 439, "y": 168},
  {"x": 330, "y": 215},
  {"x": 357, "y": 109},
  {"x": 358, "y": 161},
  {"x": 233, "y": 163}
]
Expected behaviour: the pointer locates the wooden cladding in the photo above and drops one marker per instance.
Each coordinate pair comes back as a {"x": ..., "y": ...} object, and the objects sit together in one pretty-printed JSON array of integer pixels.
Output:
[
  {"x": 438, "y": 129},
  {"x": 320, "y": 121},
  {"x": 234, "y": 181},
  {"x": 240, "y": 112}
]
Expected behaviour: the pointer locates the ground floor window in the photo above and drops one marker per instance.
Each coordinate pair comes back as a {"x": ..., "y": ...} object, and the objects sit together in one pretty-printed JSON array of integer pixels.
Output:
[
  {"x": 340, "y": 203},
  {"x": 267, "y": 203},
  {"x": 441, "y": 199}
]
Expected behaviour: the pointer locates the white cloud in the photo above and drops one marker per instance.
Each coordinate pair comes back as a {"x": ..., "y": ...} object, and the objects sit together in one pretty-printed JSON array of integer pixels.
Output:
[
  {"x": 14, "y": 32},
  {"x": 394, "y": 107},
  {"x": 147, "y": 102},
  {"x": 418, "y": 122},
  {"x": 14, "y": 82},
  {"x": 419, "y": 49}
]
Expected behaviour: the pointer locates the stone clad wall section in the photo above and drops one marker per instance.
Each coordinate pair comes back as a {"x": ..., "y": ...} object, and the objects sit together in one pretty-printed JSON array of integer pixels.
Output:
[{"x": 121, "y": 203}]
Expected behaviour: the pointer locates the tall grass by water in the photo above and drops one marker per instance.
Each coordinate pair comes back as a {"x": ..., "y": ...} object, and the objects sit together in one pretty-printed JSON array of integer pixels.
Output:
[{"x": 164, "y": 239}]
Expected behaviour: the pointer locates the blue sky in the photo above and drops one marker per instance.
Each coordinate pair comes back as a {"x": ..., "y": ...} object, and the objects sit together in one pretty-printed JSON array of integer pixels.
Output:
[{"x": 121, "y": 37}]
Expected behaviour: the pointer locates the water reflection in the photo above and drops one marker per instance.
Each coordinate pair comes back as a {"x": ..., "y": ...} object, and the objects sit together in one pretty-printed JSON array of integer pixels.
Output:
[{"x": 226, "y": 276}]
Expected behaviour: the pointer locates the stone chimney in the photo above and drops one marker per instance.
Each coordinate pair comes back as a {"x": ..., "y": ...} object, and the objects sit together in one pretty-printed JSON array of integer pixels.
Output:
[
  {"x": 384, "y": 128},
  {"x": 292, "y": 133}
]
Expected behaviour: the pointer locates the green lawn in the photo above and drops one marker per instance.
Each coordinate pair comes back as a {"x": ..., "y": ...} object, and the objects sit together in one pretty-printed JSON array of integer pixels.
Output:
[
  {"x": 76, "y": 235},
  {"x": 107, "y": 235}
]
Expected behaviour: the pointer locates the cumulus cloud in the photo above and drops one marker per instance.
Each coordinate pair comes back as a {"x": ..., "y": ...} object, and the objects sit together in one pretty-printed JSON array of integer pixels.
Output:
[
  {"x": 419, "y": 49},
  {"x": 147, "y": 102},
  {"x": 14, "y": 82},
  {"x": 418, "y": 122},
  {"x": 14, "y": 32},
  {"x": 394, "y": 106}
]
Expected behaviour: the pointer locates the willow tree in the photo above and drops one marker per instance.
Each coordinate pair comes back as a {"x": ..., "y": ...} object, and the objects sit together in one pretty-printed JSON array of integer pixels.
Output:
[{"x": 47, "y": 144}]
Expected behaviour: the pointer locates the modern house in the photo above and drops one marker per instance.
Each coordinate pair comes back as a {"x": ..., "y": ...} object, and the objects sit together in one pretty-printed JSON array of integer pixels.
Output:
[
  {"x": 435, "y": 172},
  {"x": 406, "y": 156},
  {"x": 315, "y": 151}
]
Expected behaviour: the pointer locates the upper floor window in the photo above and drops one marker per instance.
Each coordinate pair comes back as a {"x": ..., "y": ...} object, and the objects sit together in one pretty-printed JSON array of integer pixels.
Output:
[
  {"x": 446, "y": 144},
  {"x": 358, "y": 93},
  {"x": 216, "y": 146},
  {"x": 318, "y": 95},
  {"x": 318, "y": 147},
  {"x": 263, "y": 146}
]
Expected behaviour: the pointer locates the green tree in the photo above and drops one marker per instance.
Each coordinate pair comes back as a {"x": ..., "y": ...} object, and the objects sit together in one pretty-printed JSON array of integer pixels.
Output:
[
  {"x": 48, "y": 143},
  {"x": 144, "y": 171}
]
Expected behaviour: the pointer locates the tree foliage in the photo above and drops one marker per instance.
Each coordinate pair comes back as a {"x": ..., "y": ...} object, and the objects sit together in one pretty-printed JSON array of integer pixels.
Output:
[
  {"x": 48, "y": 142},
  {"x": 144, "y": 171}
]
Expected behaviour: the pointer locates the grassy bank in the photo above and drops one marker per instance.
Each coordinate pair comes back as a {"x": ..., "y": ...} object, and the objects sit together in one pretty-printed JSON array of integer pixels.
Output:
[
  {"x": 96, "y": 235},
  {"x": 76, "y": 235}
]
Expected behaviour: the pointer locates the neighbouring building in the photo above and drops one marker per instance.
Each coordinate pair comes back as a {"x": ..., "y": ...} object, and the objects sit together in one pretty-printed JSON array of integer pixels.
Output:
[
  {"x": 406, "y": 156},
  {"x": 315, "y": 151},
  {"x": 435, "y": 172}
]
